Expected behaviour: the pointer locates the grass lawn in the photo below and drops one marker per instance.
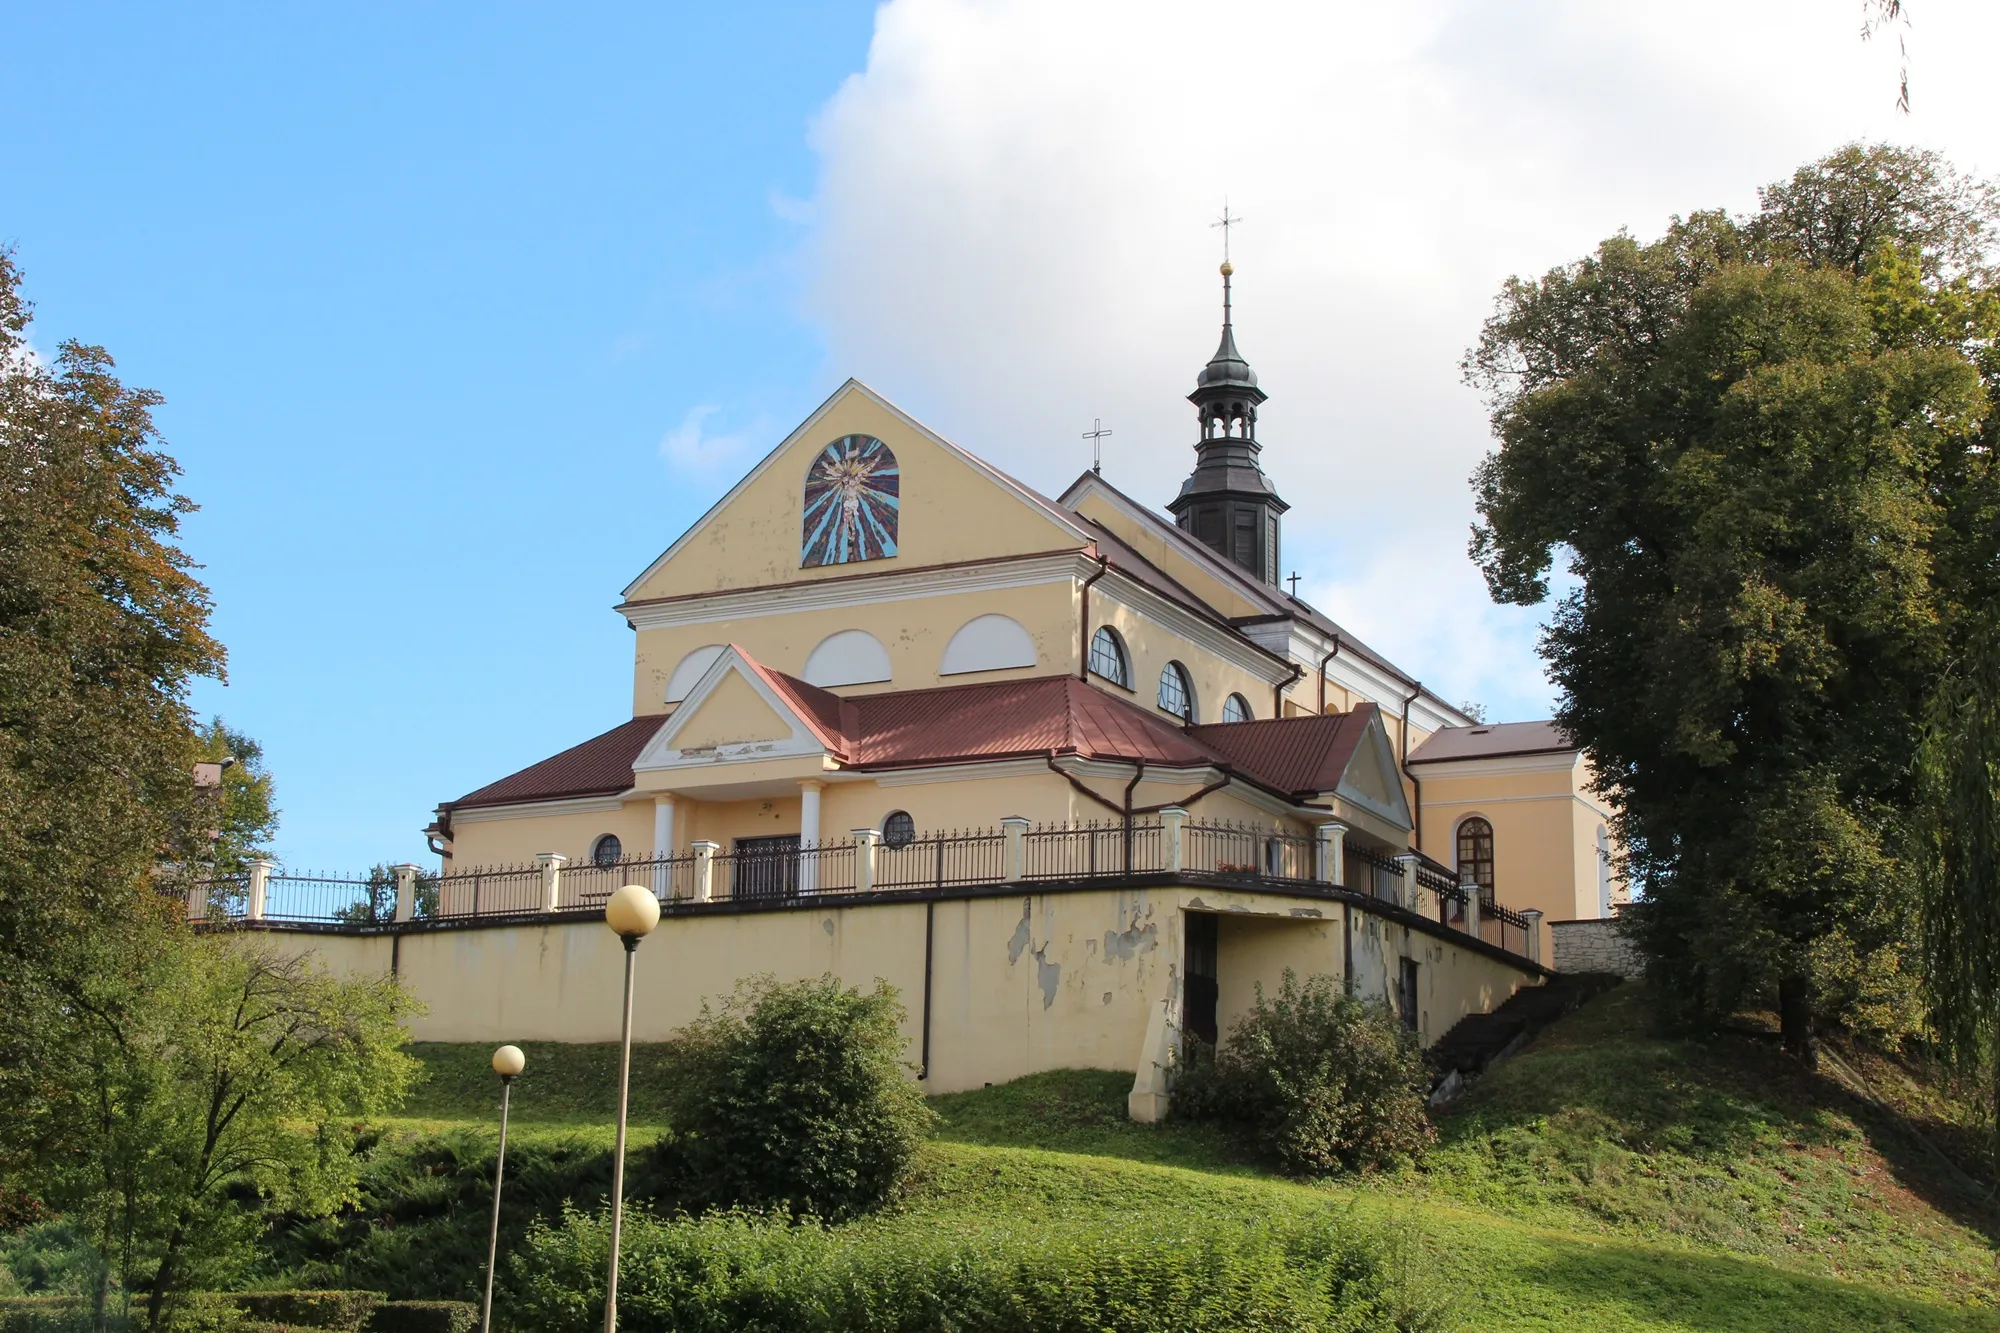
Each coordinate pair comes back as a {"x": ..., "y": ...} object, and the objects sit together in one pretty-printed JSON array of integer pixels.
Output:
[{"x": 1603, "y": 1179}]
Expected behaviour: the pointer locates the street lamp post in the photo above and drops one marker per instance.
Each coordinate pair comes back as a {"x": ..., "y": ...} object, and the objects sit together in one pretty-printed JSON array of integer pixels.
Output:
[
  {"x": 508, "y": 1062},
  {"x": 632, "y": 912}
]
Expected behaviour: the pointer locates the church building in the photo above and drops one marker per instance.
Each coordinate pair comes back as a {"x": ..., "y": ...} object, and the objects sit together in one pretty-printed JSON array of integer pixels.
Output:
[{"x": 881, "y": 671}]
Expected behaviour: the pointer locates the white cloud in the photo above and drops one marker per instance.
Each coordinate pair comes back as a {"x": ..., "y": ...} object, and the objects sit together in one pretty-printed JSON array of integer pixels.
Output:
[
  {"x": 1010, "y": 232},
  {"x": 691, "y": 447}
]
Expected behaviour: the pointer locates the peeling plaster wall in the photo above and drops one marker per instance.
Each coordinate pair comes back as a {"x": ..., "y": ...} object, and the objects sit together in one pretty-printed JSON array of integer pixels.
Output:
[{"x": 1020, "y": 984}]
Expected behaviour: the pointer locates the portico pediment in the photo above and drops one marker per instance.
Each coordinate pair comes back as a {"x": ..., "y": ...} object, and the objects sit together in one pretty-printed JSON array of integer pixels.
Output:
[{"x": 735, "y": 714}]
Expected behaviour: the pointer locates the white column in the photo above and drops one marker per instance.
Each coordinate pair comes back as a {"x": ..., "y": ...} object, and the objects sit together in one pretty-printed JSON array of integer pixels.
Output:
[
  {"x": 551, "y": 864},
  {"x": 865, "y": 842},
  {"x": 406, "y": 891},
  {"x": 260, "y": 883},
  {"x": 1407, "y": 895},
  {"x": 809, "y": 791},
  {"x": 1014, "y": 848},
  {"x": 1173, "y": 825},
  {"x": 1534, "y": 918},
  {"x": 1332, "y": 866},
  {"x": 663, "y": 845},
  {"x": 704, "y": 870}
]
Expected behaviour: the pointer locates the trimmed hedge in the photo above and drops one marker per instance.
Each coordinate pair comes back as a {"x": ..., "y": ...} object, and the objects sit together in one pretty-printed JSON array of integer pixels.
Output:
[
  {"x": 342, "y": 1311},
  {"x": 43, "y": 1314},
  {"x": 424, "y": 1317}
]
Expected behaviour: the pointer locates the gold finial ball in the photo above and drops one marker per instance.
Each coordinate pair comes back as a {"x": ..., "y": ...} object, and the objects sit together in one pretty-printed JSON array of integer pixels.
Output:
[{"x": 1227, "y": 268}]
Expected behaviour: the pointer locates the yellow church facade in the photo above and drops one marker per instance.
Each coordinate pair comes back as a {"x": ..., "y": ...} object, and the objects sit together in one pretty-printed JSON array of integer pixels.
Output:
[{"x": 1076, "y": 776}]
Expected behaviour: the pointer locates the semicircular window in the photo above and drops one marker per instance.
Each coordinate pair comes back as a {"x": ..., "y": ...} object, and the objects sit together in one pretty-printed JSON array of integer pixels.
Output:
[
  {"x": 607, "y": 850},
  {"x": 1176, "y": 693},
  {"x": 1236, "y": 708},
  {"x": 899, "y": 830},
  {"x": 853, "y": 497},
  {"x": 1107, "y": 657}
]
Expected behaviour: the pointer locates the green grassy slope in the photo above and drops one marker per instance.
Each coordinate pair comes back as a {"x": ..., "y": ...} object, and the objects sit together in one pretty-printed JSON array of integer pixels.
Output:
[{"x": 1602, "y": 1179}]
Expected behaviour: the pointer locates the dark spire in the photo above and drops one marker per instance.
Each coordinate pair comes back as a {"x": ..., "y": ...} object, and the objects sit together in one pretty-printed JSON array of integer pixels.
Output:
[{"x": 1227, "y": 502}]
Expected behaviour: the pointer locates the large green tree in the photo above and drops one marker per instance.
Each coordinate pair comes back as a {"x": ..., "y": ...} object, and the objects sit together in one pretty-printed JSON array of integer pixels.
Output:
[{"x": 1761, "y": 448}]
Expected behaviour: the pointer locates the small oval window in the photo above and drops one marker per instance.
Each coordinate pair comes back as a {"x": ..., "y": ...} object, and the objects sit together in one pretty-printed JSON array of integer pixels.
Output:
[
  {"x": 899, "y": 830},
  {"x": 607, "y": 851}
]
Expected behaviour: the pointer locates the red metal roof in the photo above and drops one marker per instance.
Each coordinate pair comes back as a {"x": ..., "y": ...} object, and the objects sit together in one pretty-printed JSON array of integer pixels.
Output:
[{"x": 1049, "y": 716}]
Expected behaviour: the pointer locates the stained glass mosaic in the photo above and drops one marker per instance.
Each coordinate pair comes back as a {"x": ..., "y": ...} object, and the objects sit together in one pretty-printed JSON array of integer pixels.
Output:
[{"x": 851, "y": 503}]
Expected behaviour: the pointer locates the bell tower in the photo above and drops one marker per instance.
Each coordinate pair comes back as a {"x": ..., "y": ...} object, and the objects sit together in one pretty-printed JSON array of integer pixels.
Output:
[{"x": 1227, "y": 503}]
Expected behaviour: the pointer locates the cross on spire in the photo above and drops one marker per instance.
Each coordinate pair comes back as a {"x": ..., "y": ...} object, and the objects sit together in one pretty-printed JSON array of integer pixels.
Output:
[
  {"x": 1225, "y": 222},
  {"x": 1096, "y": 435}
]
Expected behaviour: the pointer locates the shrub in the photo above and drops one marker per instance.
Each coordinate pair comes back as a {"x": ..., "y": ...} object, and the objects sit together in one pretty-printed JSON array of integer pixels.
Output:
[
  {"x": 792, "y": 1096},
  {"x": 424, "y": 1317},
  {"x": 1317, "y": 1080},
  {"x": 44, "y": 1314},
  {"x": 346, "y": 1311},
  {"x": 1156, "y": 1272}
]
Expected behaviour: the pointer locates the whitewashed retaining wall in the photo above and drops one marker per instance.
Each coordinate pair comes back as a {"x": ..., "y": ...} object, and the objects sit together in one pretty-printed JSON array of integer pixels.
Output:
[{"x": 1596, "y": 945}]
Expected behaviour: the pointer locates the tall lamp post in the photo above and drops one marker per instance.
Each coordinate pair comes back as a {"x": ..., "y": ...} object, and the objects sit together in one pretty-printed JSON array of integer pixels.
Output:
[
  {"x": 631, "y": 913},
  {"x": 508, "y": 1062}
]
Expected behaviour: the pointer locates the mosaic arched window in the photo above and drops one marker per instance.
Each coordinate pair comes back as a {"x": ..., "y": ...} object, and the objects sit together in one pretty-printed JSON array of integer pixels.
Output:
[
  {"x": 1236, "y": 709},
  {"x": 1176, "y": 694},
  {"x": 852, "y": 491},
  {"x": 1107, "y": 657}
]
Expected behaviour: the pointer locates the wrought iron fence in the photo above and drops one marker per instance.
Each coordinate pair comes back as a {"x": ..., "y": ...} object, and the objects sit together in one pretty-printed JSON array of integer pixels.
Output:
[
  {"x": 304, "y": 897},
  {"x": 491, "y": 891},
  {"x": 588, "y": 884},
  {"x": 942, "y": 860},
  {"x": 1375, "y": 874},
  {"x": 1250, "y": 851},
  {"x": 1086, "y": 851}
]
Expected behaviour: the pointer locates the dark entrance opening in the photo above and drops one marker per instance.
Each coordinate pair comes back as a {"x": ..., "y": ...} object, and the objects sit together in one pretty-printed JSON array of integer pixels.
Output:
[
  {"x": 765, "y": 867},
  {"x": 1199, "y": 989},
  {"x": 1406, "y": 994}
]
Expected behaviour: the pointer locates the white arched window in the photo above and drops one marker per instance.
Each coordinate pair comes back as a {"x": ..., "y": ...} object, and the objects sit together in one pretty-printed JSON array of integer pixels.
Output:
[
  {"x": 987, "y": 643},
  {"x": 851, "y": 657},
  {"x": 1236, "y": 708},
  {"x": 1475, "y": 856},
  {"x": 690, "y": 670},
  {"x": 1107, "y": 657},
  {"x": 1176, "y": 692}
]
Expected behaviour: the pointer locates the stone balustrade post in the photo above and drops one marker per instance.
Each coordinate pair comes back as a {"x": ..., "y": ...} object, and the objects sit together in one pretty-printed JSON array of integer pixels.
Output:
[
  {"x": 1533, "y": 915},
  {"x": 866, "y": 841},
  {"x": 1474, "y": 905},
  {"x": 1173, "y": 832},
  {"x": 704, "y": 870},
  {"x": 406, "y": 891},
  {"x": 1014, "y": 849},
  {"x": 551, "y": 864},
  {"x": 260, "y": 887},
  {"x": 1332, "y": 867},
  {"x": 1407, "y": 895},
  {"x": 197, "y": 896}
]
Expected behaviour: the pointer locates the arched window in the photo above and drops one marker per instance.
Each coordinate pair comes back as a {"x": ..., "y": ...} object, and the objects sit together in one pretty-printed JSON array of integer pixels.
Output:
[
  {"x": 850, "y": 657},
  {"x": 899, "y": 830},
  {"x": 1176, "y": 693},
  {"x": 607, "y": 850},
  {"x": 1236, "y": 708},
  {"x": 691, "y": 669},
  {"x": 1475, "y": 856},
  {"x": 1107, "y": 657}
]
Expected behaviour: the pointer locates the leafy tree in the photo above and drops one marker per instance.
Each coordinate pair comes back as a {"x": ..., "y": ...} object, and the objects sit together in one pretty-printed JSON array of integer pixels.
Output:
[
  {"x": 102, "y": 628},
  {"x": 1763, "y": 447},
  {"x": 1955, "y": 852},
  {"x": 239, "y": 816},
  {"x": 791, "y": 1095},
  {"x": 209, "y": 1077}
]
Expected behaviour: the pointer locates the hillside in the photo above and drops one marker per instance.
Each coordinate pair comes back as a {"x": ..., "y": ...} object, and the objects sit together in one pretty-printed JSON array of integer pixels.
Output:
[{"x": 1603, "y": 1178}]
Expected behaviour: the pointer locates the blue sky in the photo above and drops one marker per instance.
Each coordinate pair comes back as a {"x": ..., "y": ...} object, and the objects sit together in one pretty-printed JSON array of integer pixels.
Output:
[
  {"x": 464, "y": 313},
  {"x": 424, "y": 295}
]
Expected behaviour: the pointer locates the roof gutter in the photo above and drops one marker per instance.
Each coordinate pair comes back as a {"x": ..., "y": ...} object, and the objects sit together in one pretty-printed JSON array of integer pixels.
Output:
[
  {"x": 1083, "y": 620},
  {"x": 1322, "y": 673}
]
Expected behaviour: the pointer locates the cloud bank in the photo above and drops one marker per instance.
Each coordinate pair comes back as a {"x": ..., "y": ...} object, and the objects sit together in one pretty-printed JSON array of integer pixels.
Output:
[{"x": 1011, "y": 233}]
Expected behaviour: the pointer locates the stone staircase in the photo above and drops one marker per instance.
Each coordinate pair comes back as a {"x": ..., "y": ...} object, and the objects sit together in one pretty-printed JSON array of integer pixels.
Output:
[{"x": 1479, "y": 1041}]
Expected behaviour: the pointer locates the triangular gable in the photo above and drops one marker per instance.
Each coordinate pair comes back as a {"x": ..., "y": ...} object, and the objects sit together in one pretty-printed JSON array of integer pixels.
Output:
[
  {"x": 738, "y": 710},
  {"x": 1371, "y": 780},
  {"x": 753, "y": 536}
]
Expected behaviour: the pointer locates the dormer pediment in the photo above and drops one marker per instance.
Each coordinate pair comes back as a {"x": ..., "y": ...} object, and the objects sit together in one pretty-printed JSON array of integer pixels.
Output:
[{"x": 738, "y": 712}]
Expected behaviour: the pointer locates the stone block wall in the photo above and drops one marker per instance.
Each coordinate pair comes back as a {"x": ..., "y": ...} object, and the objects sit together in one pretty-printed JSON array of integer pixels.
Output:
[{"x": 1595, "y": 945}]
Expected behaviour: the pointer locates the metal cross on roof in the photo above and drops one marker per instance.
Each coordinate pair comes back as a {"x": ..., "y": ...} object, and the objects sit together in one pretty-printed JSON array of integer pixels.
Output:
[
  {"x": 1225, "y": 222},
  {"x": 1294, "y": 581},
  {"x": 1096, "y": 435}
]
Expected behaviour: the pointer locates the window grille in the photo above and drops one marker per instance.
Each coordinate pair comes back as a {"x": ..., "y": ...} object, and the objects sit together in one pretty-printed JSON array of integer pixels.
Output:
[
  {"x": 1176, "y": 695},
  {"x": 1236, "y": 709},
  {"x": 606, "y": 851},
  {"x": 1107, "y": 657}
]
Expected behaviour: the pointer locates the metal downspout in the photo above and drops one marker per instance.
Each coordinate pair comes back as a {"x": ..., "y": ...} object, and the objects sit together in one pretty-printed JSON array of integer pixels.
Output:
[
  {"x": 1322, "y": 673},
  {"x": 1083, "y": 621}
]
